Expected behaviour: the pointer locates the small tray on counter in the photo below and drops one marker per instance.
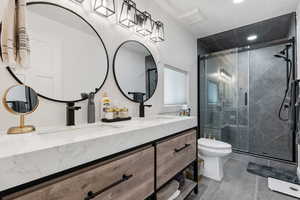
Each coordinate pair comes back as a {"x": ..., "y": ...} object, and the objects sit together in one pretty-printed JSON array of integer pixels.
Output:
[{"x": 116, "y": 120}]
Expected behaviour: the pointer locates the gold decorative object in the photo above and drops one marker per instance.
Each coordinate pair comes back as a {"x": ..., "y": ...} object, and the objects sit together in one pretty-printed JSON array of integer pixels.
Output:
[{"x": 20, "y": 100}]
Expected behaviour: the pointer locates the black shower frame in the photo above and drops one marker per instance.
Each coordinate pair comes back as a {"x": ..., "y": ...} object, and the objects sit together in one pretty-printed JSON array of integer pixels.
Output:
[{"x": 295, "y": 92}]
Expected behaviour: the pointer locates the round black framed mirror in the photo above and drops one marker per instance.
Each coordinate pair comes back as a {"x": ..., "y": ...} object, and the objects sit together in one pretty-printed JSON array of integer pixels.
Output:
[
  {"x": 68, "y": 56},
  {"x": 20, "y": 100},
  {"x": 135, "y": 71}
]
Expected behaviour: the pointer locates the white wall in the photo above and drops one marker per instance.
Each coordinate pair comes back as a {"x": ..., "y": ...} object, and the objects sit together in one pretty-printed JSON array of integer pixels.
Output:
[{"x": 179, "y": 50}]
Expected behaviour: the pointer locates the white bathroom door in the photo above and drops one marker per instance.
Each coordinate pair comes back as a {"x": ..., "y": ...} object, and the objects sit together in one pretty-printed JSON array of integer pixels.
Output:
[{"x": 45, "y": 71}]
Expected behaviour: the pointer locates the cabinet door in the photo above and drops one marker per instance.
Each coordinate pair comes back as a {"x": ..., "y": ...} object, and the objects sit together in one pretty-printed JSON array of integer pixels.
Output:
[
  {"x": 174, "y": 155},
  {"x": 127, "y": 178}
]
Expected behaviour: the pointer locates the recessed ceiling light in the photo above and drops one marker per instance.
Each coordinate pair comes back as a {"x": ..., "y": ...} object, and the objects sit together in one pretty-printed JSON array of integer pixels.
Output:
[
  {"x": 252, "y": 37},
  {"x": 238, "y": 1}
]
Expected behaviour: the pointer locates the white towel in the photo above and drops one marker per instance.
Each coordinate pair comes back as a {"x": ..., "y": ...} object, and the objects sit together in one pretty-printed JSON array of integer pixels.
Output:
[
  {"x": 175, "y": 195},
  {"x": 14, "y": 38},
  {"x": 3, "y": 8},
  {"x": 167, "y": 191}
]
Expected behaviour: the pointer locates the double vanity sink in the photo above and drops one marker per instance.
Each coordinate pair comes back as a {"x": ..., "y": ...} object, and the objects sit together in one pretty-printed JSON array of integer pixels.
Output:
[
  {"x": 25, "y": 159},
  {"x": 106, "y": 126}
]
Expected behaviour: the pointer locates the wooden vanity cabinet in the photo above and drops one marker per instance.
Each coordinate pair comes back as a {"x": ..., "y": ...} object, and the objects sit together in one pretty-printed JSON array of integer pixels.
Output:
[
  {"x": 130, "y": 176},
  {"x": 127, "y": 178},
  {"x": 174, "y": 154}
]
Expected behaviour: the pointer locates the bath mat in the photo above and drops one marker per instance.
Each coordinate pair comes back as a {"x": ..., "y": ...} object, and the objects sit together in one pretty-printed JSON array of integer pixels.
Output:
[{"x": 272, "y": 172}]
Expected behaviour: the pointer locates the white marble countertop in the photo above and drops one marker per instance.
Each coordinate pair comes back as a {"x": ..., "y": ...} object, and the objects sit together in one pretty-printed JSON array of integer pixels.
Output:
[{"x": 28, "y": 157}]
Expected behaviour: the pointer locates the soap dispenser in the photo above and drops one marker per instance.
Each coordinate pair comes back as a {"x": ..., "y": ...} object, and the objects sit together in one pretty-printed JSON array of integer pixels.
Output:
[{"x": 91, "y": 107}]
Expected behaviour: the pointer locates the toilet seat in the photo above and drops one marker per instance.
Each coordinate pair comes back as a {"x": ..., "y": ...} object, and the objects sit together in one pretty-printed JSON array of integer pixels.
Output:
[
  {"x": 214, "y": 152},
  {"x": 213, "y": 144}
]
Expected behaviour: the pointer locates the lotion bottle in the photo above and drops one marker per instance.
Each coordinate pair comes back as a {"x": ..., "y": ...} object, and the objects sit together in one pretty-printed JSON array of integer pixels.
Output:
[{"x": 105, "y": 105}]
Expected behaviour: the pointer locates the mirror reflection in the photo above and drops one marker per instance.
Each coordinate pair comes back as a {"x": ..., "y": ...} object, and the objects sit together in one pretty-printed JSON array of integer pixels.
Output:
[
  {"x": 21, "y": 100},
  {"x": 67, "y": 55},
  {"x": 135, "y": 71}
]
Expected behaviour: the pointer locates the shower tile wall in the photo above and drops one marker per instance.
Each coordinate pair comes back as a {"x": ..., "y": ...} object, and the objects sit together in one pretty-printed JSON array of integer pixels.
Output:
[{"x": 268, "y": 135}]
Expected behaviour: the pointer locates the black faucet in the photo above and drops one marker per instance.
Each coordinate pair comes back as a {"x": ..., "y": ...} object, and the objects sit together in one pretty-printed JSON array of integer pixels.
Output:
[
  {"x": 71, "y": 108},
  {"x": 142, "y": 108},
  {"x": 139, "y": 97}
]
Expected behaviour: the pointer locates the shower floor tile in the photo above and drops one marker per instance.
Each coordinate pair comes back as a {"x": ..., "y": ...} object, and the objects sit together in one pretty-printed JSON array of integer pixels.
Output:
[{"x": 237, "y": 184}]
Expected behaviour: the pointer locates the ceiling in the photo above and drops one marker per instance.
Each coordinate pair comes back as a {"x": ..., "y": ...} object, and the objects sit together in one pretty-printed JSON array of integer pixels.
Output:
[
  {"x": 207, "y": 17},
  {"x": 267, "y": 31}
]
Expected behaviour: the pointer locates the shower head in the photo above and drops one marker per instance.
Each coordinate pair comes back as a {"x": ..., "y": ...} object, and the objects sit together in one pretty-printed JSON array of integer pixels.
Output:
[
  {"x": 282, "y": 53},
  {"x": 283, "y": 57},
  {"x": 279, "y": 56}
]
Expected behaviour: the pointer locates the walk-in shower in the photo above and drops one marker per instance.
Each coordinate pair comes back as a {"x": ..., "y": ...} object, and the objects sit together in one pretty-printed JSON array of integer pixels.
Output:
[
  {"x": 247, "y": 89},
  {"x": 243, "y": 92}
]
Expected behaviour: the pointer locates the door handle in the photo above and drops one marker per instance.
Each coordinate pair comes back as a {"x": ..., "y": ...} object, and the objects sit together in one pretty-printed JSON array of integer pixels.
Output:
[
  {"x": 182, "y": 148},
  {"x": 92, "y": 195},
  {"x": 246, "y": 98},
  {"x": 294, "y": 189}
]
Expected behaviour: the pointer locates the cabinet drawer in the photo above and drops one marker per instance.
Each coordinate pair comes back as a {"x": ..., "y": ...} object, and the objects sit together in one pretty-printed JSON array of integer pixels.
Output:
[
  {"x": 126, "y": 178},
  {"x": 174, "y": 155}
]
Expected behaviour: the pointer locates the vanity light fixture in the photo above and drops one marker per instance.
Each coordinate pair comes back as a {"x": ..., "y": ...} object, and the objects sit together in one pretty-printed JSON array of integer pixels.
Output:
[
  {"x": 158, "y": 33},
  {"x": 105, "y": 8},
  {"x": 128, "y": 16},
  {"x": 144, "y": 23}
]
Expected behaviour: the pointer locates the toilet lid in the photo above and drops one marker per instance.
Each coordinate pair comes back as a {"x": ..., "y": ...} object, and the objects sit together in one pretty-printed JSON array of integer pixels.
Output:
[{"x": 208, "y": 143}]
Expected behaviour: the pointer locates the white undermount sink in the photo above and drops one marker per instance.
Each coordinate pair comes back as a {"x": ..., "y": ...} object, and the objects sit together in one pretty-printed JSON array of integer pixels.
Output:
[
  {"x": 98, "y": 126},
  {"x": 106, "y": 126},
  {"x": 147, "y": 120}
]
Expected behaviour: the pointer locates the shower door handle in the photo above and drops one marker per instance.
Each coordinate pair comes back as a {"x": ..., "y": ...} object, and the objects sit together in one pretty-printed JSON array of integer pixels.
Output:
[{"x": 246, "y": 98}]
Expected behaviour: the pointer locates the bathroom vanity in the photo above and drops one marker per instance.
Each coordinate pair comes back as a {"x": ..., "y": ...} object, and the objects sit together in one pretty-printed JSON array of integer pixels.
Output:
[
  {"x": 129, "y": 160},
  {"x": 126, "y": 160}
]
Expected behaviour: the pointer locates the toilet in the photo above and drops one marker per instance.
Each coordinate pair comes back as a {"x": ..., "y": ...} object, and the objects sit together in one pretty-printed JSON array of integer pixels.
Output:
[{"x": 212, "y": 152}]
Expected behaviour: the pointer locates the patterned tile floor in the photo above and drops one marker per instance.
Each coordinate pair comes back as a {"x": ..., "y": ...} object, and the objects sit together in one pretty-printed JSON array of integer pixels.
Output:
[{"x": 237, "y": 184}]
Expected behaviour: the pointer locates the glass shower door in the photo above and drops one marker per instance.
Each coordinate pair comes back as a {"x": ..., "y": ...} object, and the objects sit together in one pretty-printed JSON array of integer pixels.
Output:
[
  {"x": 220, "y": 106},
  {"x": 243, "y": 91},
  {"x": 213, "y": 105},
  {"x": 226, "y": 107},
  {"x": 243, "y": 101}
]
